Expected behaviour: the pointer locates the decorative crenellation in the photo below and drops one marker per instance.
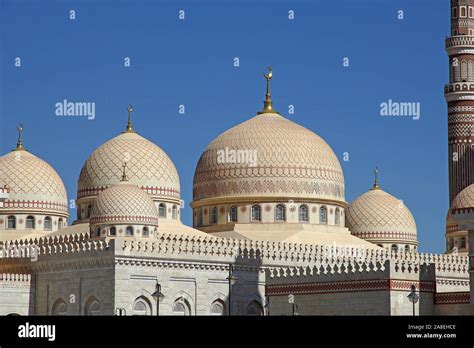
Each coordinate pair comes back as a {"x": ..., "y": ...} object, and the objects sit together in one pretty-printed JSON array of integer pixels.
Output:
[
  {"x": 292, "y": 257},
  {"x": 15, "y": 277},
  {"x": 31, "y": 249}
]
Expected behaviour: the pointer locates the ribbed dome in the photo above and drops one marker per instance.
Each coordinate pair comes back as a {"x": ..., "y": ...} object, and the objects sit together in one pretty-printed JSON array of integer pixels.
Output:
[
  {"x": 379, "y": 216},
  {"x": 464, "y": 199},
  {"x": 148, "y": 167},
  {"x": 291, "y": 161},
  {"x": 34, "y": 185},
  {"x": 124, "y": 203}
]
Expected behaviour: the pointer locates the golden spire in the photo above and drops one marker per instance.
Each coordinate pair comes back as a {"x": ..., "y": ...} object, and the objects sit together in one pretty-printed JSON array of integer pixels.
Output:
[
  {"x": 376, "y": 181},
  {"x": 129, "y": 128},
  {"x": 124, "y": 173},
  {"x": 267, "y": 104},
  {"x": 19, "y": 144}
]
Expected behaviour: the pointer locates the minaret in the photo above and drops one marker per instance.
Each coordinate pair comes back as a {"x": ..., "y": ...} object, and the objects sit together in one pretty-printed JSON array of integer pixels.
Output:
[{"x": 459, "y": 94}]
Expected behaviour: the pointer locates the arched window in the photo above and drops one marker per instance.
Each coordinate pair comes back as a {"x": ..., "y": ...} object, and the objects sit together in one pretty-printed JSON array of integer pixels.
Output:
[
  {"x": 303, "y": 213},
  {"x": 11, "y": 222},
  {"x": 181, "y": 307},
  {"x": 394, "y": 248},
  {"x": 280, "y": 213},
  {"x": 214, "y": 215},
  {"x": 48, "y": 223},
  {"x": 97, "y": 231},
  {"x": 142, "y": 306},
  {"x": 89, "y": 209},
  {"x": 455, "y": 64},
  {"x": 59, "y": 307},
  {"x": 162, "y": 210},
  {"x": 464, "y": 70},
  {"x": 462, "y": 245},
  {"x": 218, "y": 307},
  {"x": 145, "y": 232},
  {"x": 174, "y": 212},
  {"x": 60, "y": 223},
  {"x": 30, "y": 222},
  {"x": 112, "y": 232},
  {"x": 337, "y": 217},
  {"x": 233, "y": 214},
  {"x": 199, "y": 219},
  {"x": 254, "y": 308},
  {"x": 451, "y": 244},
  {"x": 256, "y": 213},
  {"x": 323, "y": 215},
  {"x": 463, "y": 11},
  {"x": 407, "y": 249},
  {"x": 92, "y": 307},
  {"x": 129, "y": 231}
]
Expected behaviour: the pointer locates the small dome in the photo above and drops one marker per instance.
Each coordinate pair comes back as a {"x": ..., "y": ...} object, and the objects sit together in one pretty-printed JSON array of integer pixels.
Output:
[
  {"x": 269, "y": 156},
  {"x": 124, "y": 203},
  {"x": 149, "y": 167},
  {"x": 380, "y": 217},
  {"x": 464, "y": 199},
  {"x": 34, "y": 186}
]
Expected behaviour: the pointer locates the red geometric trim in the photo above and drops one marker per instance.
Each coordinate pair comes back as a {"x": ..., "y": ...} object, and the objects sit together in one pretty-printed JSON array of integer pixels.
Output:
[
  {"x": 348, "y": 286},
  {"x": 452, "y": 297},
  {"x": 385, "y": 234},
  {"x": 45, "y": 205},
  {"x": 149, "y": 220},
  {"x": 151, "y": 190}
]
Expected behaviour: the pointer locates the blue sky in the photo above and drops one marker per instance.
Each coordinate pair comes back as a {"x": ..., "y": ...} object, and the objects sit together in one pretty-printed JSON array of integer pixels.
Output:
[{"x": 190, "y": 62}]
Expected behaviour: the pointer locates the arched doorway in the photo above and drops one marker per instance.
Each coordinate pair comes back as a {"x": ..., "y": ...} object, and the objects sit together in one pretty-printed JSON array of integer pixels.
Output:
[{"x": 254, "y": 309}]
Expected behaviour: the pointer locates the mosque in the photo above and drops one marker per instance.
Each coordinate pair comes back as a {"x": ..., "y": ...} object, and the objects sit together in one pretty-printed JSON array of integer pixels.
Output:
[{"x": 272, "y": 232}]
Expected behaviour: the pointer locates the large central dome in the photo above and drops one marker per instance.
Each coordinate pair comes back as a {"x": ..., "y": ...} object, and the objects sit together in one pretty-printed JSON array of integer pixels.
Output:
[{"x": 286, "y": 160}]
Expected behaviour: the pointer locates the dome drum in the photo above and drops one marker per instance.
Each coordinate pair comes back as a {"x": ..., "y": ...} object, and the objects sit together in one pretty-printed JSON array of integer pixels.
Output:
[{"x": 215, "y": 217}]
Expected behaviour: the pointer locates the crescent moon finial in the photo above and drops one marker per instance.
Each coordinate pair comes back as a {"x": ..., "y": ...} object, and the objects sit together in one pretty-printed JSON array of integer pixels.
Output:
[
  {"x": 129, "y": 128},
  {"x": 267, "y": 104},
  {"x": 270, "y": 73},
  {"x": 19, "y": 144},
  {"x": 376, "y": 180}
]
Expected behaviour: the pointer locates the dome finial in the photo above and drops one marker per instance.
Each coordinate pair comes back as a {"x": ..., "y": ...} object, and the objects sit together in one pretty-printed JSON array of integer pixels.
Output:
[
  {"x": 268, "y": 104},
  {"x": 19, "y": 144},
  {"x": 376, "y": 180},
  {"x": 124, "y": 173},
  {"x": 129, "y": 128}
]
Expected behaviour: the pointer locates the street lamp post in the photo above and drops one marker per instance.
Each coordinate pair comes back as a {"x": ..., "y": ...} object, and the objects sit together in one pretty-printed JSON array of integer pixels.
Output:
[
  {"x": 295, "y": 309},
  {"x": 413, "y": 297},
  {"x": 158, "y": 296},
  {"x": 232, "y": 280}
]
